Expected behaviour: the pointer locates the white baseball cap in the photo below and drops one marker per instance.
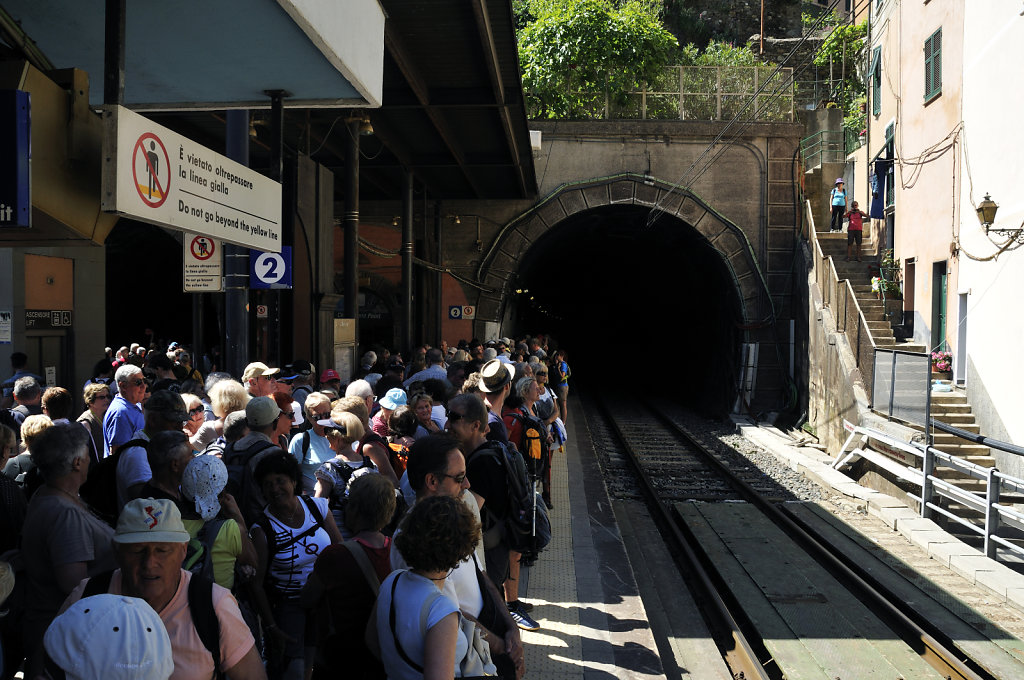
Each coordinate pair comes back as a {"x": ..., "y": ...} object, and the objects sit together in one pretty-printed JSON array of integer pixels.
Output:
[{"x": 113, "y": 637}]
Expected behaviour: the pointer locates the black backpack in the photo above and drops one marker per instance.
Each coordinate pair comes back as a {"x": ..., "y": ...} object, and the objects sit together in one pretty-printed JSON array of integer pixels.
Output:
[
  {"x": 533, "y": 442},
  {"x": 525, "y": 528},
  {"x": 100, "y": 488},
  {"x": 241, "y": 465},
  {"x": 200, "y": 604}
]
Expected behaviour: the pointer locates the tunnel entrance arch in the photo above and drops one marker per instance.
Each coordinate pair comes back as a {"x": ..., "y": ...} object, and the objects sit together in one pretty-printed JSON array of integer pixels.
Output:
[
  {"x": 500, "y": 263},
  {"x": 594, "y": 264}
]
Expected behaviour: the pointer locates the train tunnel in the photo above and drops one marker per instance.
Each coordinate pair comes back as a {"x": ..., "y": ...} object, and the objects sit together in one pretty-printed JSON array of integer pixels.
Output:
[{"x": 640, "y": 306}]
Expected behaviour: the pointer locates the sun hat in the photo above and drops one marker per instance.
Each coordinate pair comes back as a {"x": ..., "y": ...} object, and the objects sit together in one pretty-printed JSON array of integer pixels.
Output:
[
  {"x": 494, "y": 375},
  {"x": 202, "y": 482},
  {"x": 261, "y": 411},
  {"x": 150, "y": 520},
  {"x": 839, "y": 180},
  {"x": 256, "y": 369},
  {"x": 394, "y": 398},
  {"x": 110, "y": 637}
]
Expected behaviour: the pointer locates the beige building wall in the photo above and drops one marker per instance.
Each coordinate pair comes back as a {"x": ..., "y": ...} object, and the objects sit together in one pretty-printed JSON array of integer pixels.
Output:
[
  {"x": 926, "y": 172},
  {"x": 992, "y": 281}
]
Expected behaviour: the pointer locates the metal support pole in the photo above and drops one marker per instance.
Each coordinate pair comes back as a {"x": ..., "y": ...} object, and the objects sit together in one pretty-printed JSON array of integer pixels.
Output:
[
  {"x": 928, "y": 468},
  {"x": 236, "y": 261},
  {"x": 113, "y": 53},
  {"x": 407, "y": 248},
  {"x": 275, "y": 318},
  {"x": 350, "y": 223},
  {"x": 439, "y": 298},
  {"x": 991, "y": 513}
]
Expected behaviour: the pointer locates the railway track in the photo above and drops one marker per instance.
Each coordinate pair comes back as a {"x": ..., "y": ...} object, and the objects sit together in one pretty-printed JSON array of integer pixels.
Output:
[{"x": 698, "y": 498}]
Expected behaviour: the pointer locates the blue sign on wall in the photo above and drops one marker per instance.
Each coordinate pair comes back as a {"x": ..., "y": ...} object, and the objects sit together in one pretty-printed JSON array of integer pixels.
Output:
[
  {"x": 15, "y": 159},
  {"x": 270, "y": 270}
]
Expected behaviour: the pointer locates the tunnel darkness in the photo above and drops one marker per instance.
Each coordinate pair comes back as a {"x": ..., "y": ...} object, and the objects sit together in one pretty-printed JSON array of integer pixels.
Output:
[{"x": 652, "y": 309}]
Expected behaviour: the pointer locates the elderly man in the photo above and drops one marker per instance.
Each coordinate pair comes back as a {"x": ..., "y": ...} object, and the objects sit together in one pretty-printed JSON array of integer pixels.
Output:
[
  {"x": 468, "y": 422},
  {"x": 150, "y": 544},
  {"x": 124, "y": 417},
  {"x": 496, "y": 383},
  {"x": 311, "y": 447},
  {"x": 261, "y": 415},
  {"x": 363, "y": 390},
  {"x": 437, "y": 468},
  {"x": 29, "y": 396},
  {"x": 435, "y": 369},
  {"x": 259, "y": 379},
  {"x": 165, "y": 412},
  {"x": 169, "y": 454}
]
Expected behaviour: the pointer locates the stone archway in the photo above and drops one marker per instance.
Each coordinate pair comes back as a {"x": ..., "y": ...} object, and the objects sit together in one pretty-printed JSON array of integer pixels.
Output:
[{"x": 728, "y": 240}]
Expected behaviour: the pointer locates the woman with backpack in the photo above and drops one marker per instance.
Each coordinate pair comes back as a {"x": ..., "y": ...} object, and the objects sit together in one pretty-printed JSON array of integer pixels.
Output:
[
  {"x": 343, "y": 587},
  {"x": 220, "y": 544},
  {"x": 290, "y": 533},
  {"x": 333, "y": 478},
  {"x": 422, "y": 633}
]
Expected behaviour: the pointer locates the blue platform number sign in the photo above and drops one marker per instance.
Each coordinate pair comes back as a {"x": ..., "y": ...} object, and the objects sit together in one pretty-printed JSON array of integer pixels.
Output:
[
  {"x": 15, "y": 159},
  {"x": 455, "y": 312},
  {"x": 270, "y": 270}
]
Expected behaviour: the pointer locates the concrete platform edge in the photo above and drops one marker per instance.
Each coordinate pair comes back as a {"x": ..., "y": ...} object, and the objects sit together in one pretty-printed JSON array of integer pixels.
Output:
[{"x": 945, "y": 548}]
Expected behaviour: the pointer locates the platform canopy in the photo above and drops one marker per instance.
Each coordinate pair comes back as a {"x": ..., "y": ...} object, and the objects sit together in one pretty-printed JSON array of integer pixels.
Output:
[{"x": 215, "y": 54}]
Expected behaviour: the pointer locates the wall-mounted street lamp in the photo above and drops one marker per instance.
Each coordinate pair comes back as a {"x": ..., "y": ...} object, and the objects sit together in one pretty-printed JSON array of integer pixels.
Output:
[{"x": 987, "y": 215}]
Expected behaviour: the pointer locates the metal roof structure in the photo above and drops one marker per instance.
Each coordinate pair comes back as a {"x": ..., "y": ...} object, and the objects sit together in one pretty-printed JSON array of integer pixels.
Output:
[
  {"x": 451, "y": 111},
  {"x": 453, "y": 108}
]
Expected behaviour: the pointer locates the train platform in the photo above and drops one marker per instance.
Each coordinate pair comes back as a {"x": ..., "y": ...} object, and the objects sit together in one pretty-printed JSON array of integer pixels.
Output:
[
  {"x": 611, "y": 603},
  {"x": 586, "y": 596}
]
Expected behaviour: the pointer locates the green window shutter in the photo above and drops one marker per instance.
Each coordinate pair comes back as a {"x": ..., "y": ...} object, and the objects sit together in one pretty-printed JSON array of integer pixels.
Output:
[
  {"x": 933, "y": 65},
  {"x": 876, "y": 81}
]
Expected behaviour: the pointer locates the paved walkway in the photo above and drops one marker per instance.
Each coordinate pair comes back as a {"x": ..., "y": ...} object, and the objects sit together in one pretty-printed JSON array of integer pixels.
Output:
[{"x": 585, "y": 597}]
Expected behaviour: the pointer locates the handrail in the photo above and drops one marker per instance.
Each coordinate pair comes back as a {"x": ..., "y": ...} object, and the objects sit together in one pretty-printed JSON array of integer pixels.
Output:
[
  {"x": 977, "y": 438},
  {"x": 851, "y": 321},
  {"x": 996, "y": 513}
]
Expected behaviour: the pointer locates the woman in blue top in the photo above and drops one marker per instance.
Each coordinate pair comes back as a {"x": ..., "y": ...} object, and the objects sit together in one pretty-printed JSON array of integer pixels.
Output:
[
  {"x": 837, "y": 199},
  {"x": 419, "y": 628}
]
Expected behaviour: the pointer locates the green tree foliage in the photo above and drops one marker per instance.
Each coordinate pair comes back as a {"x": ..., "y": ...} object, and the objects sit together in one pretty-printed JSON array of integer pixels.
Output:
[
  {"x": 842, "y": 55},
  {"x": 575, "y": 50}
]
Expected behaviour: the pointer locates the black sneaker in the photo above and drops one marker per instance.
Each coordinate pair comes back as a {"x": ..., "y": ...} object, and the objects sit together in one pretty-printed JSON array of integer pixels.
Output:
[
  {"x": 522, "y": 619},
  {"x": 520, "y": 604}
]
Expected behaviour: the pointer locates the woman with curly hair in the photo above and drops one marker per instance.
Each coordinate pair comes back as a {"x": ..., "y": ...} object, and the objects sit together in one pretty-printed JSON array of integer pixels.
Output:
[{"x": 420, "y": 631}]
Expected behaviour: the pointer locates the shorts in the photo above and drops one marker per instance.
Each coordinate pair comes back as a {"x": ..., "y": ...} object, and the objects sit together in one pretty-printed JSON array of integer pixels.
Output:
[{"x": 854, "y": 236}]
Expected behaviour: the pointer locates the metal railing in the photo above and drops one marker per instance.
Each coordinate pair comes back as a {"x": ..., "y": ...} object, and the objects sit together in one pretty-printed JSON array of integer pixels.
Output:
[
  {"x": 837, "y": 294},
  {"x": 996, "y": 514},
  {"x": 691, "y": 93},
  {"x": 902, "y": 385},
  {"x": 824, "y": 146}
]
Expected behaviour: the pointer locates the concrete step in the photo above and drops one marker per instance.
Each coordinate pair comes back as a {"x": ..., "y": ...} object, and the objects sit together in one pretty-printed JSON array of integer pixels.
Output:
[
  {"x": 964, "y": 450},
  {"x": 951, "y": 408},
  {"x": 954, "y": 419},
  {"x": 948, "y": 398}
]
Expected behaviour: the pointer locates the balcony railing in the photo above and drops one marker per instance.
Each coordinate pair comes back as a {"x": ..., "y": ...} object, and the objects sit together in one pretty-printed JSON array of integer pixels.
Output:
[{"x": 693, "y": 93}]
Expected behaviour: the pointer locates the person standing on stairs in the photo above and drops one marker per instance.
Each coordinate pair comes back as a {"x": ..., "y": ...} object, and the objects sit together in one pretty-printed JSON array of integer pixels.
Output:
[
  {"x": 855, "y": 230},
  {"x": 837, "y": 199}
]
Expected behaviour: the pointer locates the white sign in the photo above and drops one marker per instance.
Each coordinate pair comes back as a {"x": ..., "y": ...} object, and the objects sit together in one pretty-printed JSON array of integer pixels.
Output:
[
  {"x": 51, "y": 375},
  {"x": 203, "y": 264},
  {"x": 269, "y": 268},
  {"x": 468, "y": 312},
  {"x": 155, "y": 175},
  {"x": 6, "y": 320},
  {"x": 261, "y": 312}
]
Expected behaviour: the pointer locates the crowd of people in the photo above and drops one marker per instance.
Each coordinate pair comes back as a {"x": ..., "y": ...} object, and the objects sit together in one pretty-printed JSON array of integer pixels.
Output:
[{"x": 285, "y": 523}]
